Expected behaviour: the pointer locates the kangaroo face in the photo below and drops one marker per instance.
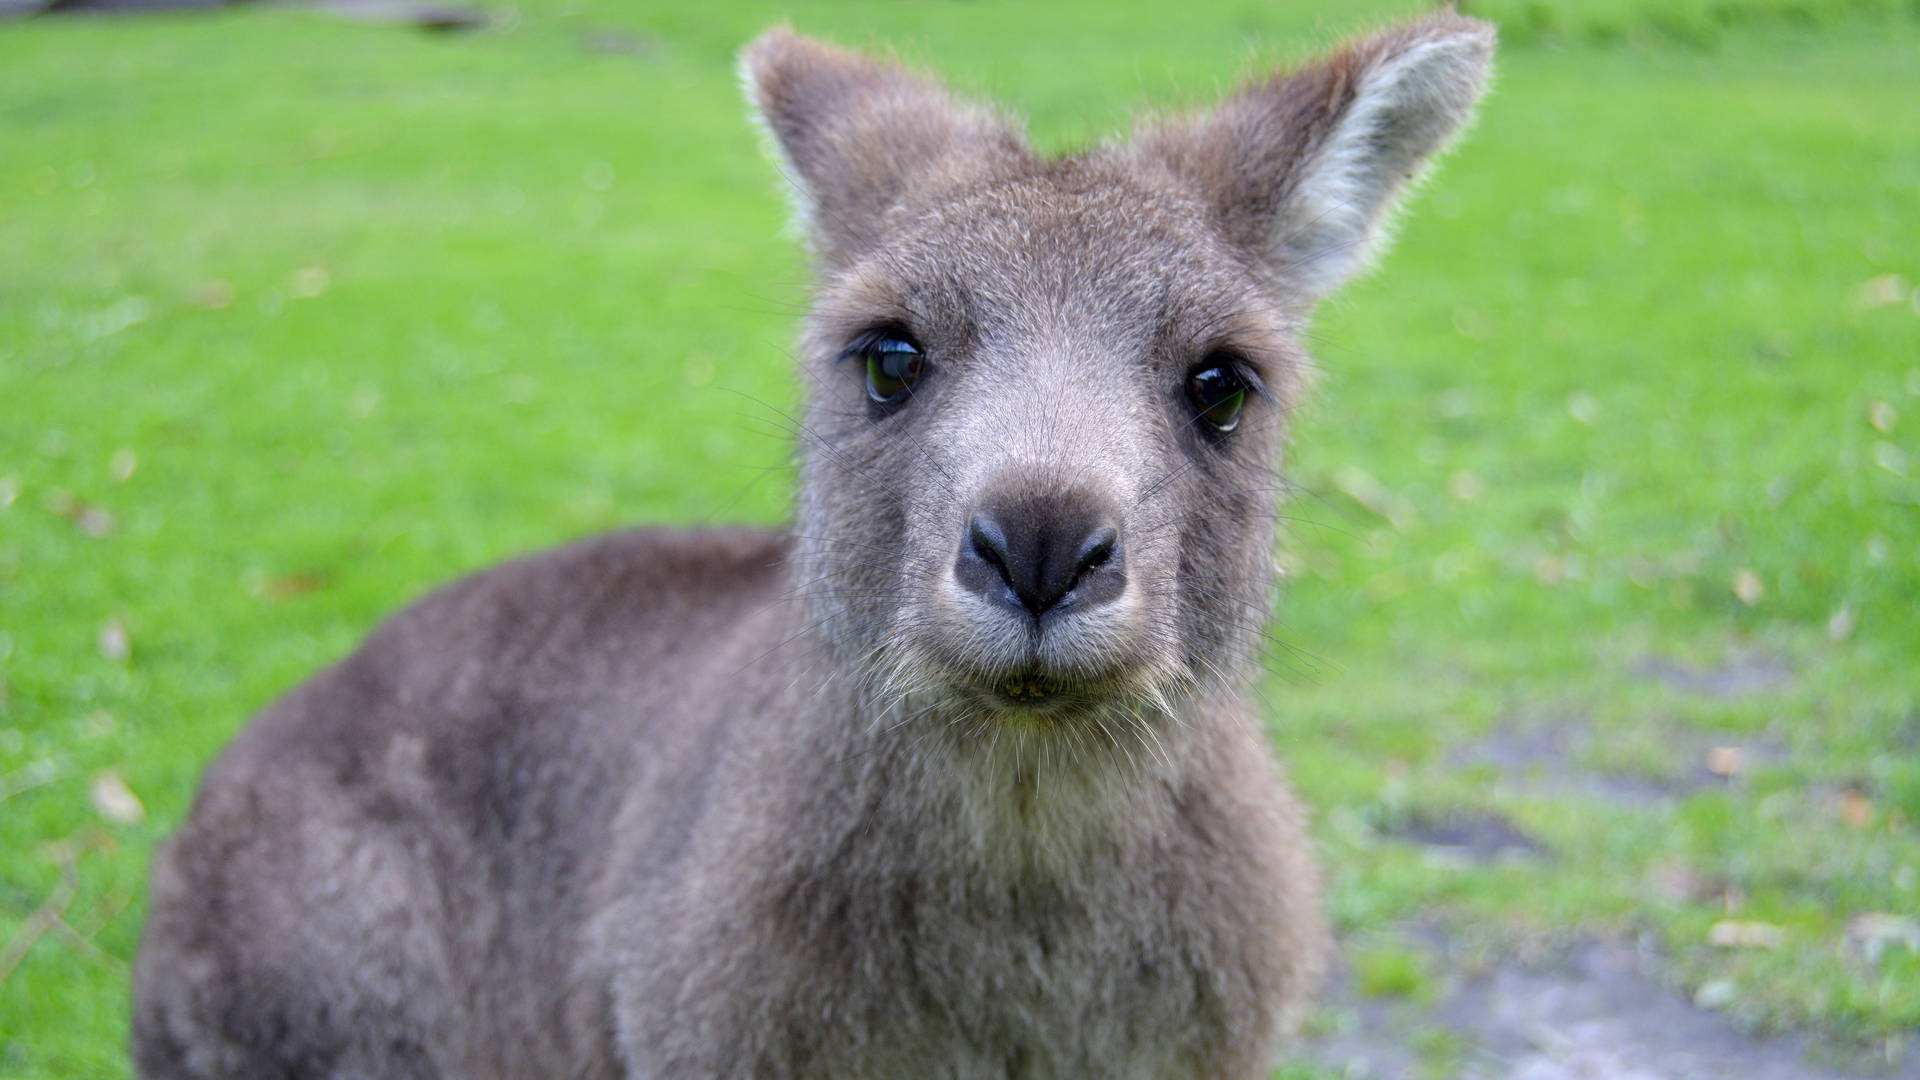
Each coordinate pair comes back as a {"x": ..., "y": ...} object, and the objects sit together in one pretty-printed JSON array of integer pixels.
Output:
[
  {"x": 1044, "y": 416},
  {"x": 1046, "y": 396}
]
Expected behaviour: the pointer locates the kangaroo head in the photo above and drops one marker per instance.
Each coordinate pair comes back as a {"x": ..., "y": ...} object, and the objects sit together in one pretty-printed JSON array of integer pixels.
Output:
[{"x": 1046, "y": 397}]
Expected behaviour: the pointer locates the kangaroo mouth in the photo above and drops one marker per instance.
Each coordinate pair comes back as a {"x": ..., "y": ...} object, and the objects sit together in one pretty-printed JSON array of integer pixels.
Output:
[
  {"x": 1029, "y": 688},
  {"x": 1034, "y": 691}
]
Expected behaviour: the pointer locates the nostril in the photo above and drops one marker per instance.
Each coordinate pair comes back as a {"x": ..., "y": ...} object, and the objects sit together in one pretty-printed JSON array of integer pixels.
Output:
[
  {"x": 1098, "y": 550},
  {"x": 989, "y": 542}
]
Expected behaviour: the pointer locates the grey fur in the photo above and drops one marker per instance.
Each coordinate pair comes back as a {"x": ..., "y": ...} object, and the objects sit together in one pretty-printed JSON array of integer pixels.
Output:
[{"x": 733, "y": 804}]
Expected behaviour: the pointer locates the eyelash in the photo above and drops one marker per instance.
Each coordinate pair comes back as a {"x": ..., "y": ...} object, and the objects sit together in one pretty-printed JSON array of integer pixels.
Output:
[{"x": 867, "y": 339}]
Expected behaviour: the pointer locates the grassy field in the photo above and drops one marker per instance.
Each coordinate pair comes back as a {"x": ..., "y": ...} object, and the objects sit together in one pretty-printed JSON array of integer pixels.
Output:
[{"x": 1603, "y": 616}]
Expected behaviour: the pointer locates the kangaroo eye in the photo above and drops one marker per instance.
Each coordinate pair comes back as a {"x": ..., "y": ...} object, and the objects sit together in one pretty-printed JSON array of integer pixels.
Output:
[
  {"x": 1218, "y": 393},
  {"x": 894, "y": 364}
]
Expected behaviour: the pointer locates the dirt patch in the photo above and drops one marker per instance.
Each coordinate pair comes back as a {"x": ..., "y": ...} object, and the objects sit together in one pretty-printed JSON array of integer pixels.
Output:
[
  {"x": 1476, "y": 836},
  {"x": 1742, "y": 675},
  {"x": 1597, "y": 1013},
  {"x": 1544, "y": 755}
]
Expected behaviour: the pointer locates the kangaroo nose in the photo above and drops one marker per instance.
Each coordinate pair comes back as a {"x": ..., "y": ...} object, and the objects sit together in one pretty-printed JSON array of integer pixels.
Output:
[{"x": 1038, "y": 556}]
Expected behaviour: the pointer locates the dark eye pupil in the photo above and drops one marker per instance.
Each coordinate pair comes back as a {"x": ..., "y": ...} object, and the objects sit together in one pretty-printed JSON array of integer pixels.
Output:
[
  {"x": 893, "y": 366},
  {"x": 1218, "y": 393},
  {"x": 900, "y": 364}
]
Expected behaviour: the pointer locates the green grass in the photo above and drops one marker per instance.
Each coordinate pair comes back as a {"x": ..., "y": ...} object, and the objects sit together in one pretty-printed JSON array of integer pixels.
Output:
[
  {"x": 1690, "y": 23},
  {"x": 320, "y": 314}
]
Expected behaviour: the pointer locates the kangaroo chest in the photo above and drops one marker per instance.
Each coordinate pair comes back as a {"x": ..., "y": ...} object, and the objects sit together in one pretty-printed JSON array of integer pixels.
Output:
[{"x": 1020, "y": 980}]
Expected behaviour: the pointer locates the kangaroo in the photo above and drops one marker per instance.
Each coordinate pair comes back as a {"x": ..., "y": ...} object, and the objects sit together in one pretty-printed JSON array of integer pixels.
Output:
[{"x": 956, "y": 778}]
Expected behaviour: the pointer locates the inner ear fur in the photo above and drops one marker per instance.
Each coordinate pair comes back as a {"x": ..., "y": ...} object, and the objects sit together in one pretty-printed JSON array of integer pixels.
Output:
[
  {"x": 1304, "y": 167},
  {"x": 858, "y": 136}
]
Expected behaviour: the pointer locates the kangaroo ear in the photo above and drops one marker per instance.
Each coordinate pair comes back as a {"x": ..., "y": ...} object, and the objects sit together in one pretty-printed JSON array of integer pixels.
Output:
[
  {"x": 1305, "y": 166},
  {"x": 859, "y": 136}
]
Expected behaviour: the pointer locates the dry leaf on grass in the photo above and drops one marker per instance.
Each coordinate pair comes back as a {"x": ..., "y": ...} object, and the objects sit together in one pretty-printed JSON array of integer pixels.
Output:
[
  {"x": 1856, "y": 809},
  {"x": 1465, "y": 486},
  {"x": 310, "y": 281},
  {"x": 1875, "y": 931},
  {"x": 1716, "y": 994},
  {"x": 1724, "y": 760},
  {"x": 115, "y": 800},
  {"x": 116, "y": 643},
  {"x": 1583, "y": 407},
  {"x": 1677, "y": 881},
  {"x": 1359, "y": 485},
  {"x": 1731, "y": 934},
  {"x": 88, "y": 518},
  {"x": 286, "y": 586},
  {"x": 214, "y": 295},
  {"x": 1879, "y": 292}
]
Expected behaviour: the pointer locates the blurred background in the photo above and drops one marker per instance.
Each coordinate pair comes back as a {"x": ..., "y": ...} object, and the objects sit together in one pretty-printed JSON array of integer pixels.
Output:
[{"x": 1599, "y": 651}]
